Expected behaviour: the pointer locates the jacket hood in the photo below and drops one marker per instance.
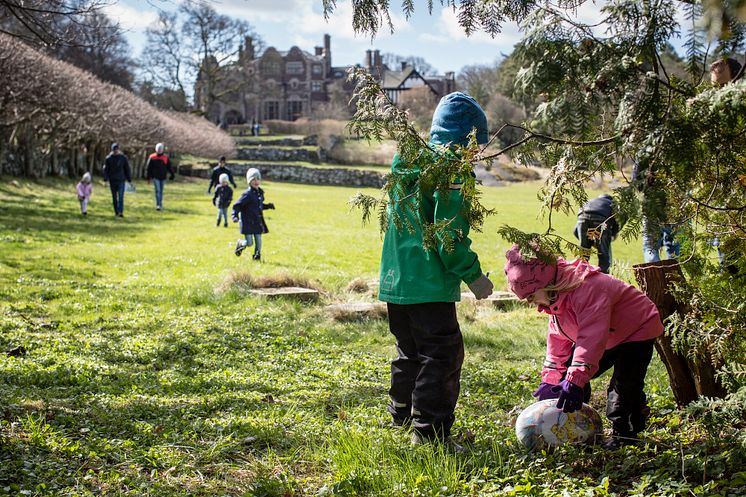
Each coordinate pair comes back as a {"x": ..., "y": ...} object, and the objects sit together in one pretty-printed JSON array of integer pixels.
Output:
[{"x": 455, "y": 117}]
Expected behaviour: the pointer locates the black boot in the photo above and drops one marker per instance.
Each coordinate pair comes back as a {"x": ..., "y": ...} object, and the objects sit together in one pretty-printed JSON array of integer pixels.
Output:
[{"x": 257, "y": 256}]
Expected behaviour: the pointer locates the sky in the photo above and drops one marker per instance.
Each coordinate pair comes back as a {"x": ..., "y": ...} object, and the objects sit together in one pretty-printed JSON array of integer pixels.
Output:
[{"x": 436, "y": 37}]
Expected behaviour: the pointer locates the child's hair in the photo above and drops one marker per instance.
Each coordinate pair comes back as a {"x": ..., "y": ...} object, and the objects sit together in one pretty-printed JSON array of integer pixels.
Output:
[
  {"x": 563, "y": 283},
  {"x": 223, "y": 180},
  {"x": 86, "y": 177}
]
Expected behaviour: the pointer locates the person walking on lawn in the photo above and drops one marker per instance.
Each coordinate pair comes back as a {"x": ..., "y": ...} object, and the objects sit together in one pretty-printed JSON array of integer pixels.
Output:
[
  {"x": 117, "y": 172},
  {"x": 217, "y": 171},
  {"x": 84, "y": 189},
  {"x": 222, "y": 199},
  {"x": 157, "y": 168}
]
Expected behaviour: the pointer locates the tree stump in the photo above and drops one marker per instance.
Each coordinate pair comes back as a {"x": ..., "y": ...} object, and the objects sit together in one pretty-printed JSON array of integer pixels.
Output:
[{"x": 690, "y": 378}]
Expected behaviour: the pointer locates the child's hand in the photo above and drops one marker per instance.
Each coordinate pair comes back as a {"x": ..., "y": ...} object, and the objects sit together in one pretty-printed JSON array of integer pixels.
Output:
[
  {"x": 570, "y": 397},
  {"x": 481, "y": 287},
  {"x": 547, "y": 391},
  {"x": 269, "y": 206}
]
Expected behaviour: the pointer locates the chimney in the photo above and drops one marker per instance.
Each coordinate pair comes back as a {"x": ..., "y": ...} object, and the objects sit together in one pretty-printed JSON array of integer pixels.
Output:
[
  {"x": 369, "y": 59},
  {"x": 249, "y": 48},
  {"x": 404, "y": 65},
  {"x": 377, "y": 62},
  {"x": 328, "y": 52},
  {"x": 318, "y": 50}
]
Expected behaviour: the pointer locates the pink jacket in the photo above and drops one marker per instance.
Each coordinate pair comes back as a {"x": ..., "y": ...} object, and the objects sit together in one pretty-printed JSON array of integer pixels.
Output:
[
  {"x": 600, "y": 314},
  {"x": 84, "y": 190}
]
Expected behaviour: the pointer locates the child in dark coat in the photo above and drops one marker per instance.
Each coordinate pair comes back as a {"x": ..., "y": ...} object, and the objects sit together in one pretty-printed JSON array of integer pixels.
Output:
[
  {"x": 249, "y": 209},
  {"x": 222, "y": 199}
]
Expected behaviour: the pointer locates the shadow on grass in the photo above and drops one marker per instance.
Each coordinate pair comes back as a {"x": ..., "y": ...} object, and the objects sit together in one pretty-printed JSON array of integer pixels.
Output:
[{"x": 49, "y": 212}]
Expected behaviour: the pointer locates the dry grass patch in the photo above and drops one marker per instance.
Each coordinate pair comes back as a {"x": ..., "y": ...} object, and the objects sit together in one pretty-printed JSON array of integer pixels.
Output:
[
  {"x": 244, "y": 281},
  {"x": 358, "y": 285}
]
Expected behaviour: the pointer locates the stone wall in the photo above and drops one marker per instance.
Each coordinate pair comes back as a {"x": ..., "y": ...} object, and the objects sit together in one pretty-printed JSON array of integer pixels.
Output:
[
  {"x": 250, "y": 141},
  {"x": 299, "y": 174},
  {"x": 272, "y": 154}
]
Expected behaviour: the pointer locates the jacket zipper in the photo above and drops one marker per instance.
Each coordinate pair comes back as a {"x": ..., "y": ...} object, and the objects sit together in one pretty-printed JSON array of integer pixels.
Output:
[{"x": 556, "y": 323}]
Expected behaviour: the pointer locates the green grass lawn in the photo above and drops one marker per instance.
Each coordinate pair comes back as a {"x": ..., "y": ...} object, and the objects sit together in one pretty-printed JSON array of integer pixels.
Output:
[{"x": 149, "y": 370}]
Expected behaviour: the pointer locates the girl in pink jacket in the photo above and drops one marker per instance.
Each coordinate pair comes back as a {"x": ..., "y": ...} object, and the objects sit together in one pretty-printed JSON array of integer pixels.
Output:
[
  {"x": 84, "y": 189},
  {"x": 596, "y": 322}
]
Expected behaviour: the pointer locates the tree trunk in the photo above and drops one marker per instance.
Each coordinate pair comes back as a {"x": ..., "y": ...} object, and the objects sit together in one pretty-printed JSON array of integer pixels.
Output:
[{"x": 690, "y": 378}]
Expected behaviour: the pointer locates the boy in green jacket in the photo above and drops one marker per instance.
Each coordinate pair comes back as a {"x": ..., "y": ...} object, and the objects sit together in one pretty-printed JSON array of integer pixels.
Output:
[{"x": 422, "y": 286}]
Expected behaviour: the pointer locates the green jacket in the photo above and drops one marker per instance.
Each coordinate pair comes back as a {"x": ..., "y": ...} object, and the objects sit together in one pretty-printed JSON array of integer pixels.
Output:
[{"x": 410, "y": 274}]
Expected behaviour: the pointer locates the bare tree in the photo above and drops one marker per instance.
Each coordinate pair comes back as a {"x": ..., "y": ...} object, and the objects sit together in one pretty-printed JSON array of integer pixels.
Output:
[
  {"x": 164, "y": 61},
  {"x": 394, "y": 62},
  {"x": 47, "y": 23},
  {"x": 212, "y": 40},
  {"x": 99, "y": 47}
]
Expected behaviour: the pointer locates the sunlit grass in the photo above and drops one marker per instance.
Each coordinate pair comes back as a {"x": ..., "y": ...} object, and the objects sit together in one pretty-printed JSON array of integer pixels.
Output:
[{"x": 150, "y": 369}]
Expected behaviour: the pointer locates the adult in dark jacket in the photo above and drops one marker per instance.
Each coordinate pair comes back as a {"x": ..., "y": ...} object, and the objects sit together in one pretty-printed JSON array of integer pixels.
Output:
[
  {"x": 217, "y": 171},
  {"x": 156, "y": 169},
  {"x": 597, "y": 227},
  {"x": 249, "y": 209},
  {"x": 117, "y": 172}
]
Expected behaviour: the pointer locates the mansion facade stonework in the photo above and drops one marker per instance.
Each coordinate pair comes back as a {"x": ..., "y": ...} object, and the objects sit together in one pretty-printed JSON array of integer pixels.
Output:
[{"x": 292, "y": 84}]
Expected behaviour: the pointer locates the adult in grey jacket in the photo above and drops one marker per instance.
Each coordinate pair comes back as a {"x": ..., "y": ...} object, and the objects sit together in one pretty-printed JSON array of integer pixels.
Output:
[{"x": 117, "y": 173}]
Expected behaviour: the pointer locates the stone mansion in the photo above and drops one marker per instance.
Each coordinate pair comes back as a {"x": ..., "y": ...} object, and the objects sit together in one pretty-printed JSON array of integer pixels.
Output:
[{"x": 291, "y": 84}]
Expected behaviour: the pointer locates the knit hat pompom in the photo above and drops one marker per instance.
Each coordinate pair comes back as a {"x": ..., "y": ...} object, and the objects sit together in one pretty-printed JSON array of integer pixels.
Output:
[{"x": 223, "y": 179}]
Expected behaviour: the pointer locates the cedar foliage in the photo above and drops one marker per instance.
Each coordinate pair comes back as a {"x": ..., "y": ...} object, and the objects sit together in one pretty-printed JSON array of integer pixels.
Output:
[{"x": 607, "y": 101}]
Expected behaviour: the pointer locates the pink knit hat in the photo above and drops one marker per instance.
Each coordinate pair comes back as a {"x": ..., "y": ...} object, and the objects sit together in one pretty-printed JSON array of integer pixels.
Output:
[{"x": 527, "y": 276}]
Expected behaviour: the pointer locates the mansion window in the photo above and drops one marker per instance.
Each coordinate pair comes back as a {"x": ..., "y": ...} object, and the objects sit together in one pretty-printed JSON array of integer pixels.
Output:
[
  {"x": 316, "y": 69},
  {"x": 316, "y": 86},
  {"x": 271, "y": 109},
  {"x": 294, "y": 67},
  {"x": 271, "y": 68},
  {"x": 295, "y": 109}
]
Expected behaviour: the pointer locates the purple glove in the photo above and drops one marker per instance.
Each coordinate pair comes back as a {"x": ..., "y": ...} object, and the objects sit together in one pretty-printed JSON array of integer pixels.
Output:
[
  {"x": 570, "y": 397},
  {"x": 546, "y": 391}
]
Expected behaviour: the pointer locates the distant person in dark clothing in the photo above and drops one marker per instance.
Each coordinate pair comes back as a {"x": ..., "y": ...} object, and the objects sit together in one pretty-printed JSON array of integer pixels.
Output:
[
  {"x": 597, "y": 227},
  {"x": 117, "y": 173},
  {"x": 157, "y": 168},
  {"x": 217, "y": 171},
  {"x": 222, "y": 199}
]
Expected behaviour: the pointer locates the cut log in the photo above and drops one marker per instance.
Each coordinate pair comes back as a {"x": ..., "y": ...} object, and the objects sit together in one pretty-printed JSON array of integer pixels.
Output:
[
  {"x": 292, "y": 292},
  {"x": 353, "y": 311}
]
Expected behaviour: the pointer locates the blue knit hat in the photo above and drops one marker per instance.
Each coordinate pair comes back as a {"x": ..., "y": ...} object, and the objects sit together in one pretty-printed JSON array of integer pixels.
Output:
[{"x": 454, "y": 118}]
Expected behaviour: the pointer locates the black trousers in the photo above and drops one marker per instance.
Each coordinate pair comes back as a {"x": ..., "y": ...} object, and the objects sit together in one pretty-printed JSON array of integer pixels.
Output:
[
  {"x": 425, "y": 376},
  {"x": 626, "y": 403}
]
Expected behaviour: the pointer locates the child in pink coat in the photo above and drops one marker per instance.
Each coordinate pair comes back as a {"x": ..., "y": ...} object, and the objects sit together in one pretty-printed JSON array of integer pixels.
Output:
[
  {"x": 84, "y": 189},
  {"x": 596, "y": 322}
]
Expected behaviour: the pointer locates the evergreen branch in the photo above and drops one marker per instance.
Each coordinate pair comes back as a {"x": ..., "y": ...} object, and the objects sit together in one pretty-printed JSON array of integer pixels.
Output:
[{"x": 548, "y": 138}]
